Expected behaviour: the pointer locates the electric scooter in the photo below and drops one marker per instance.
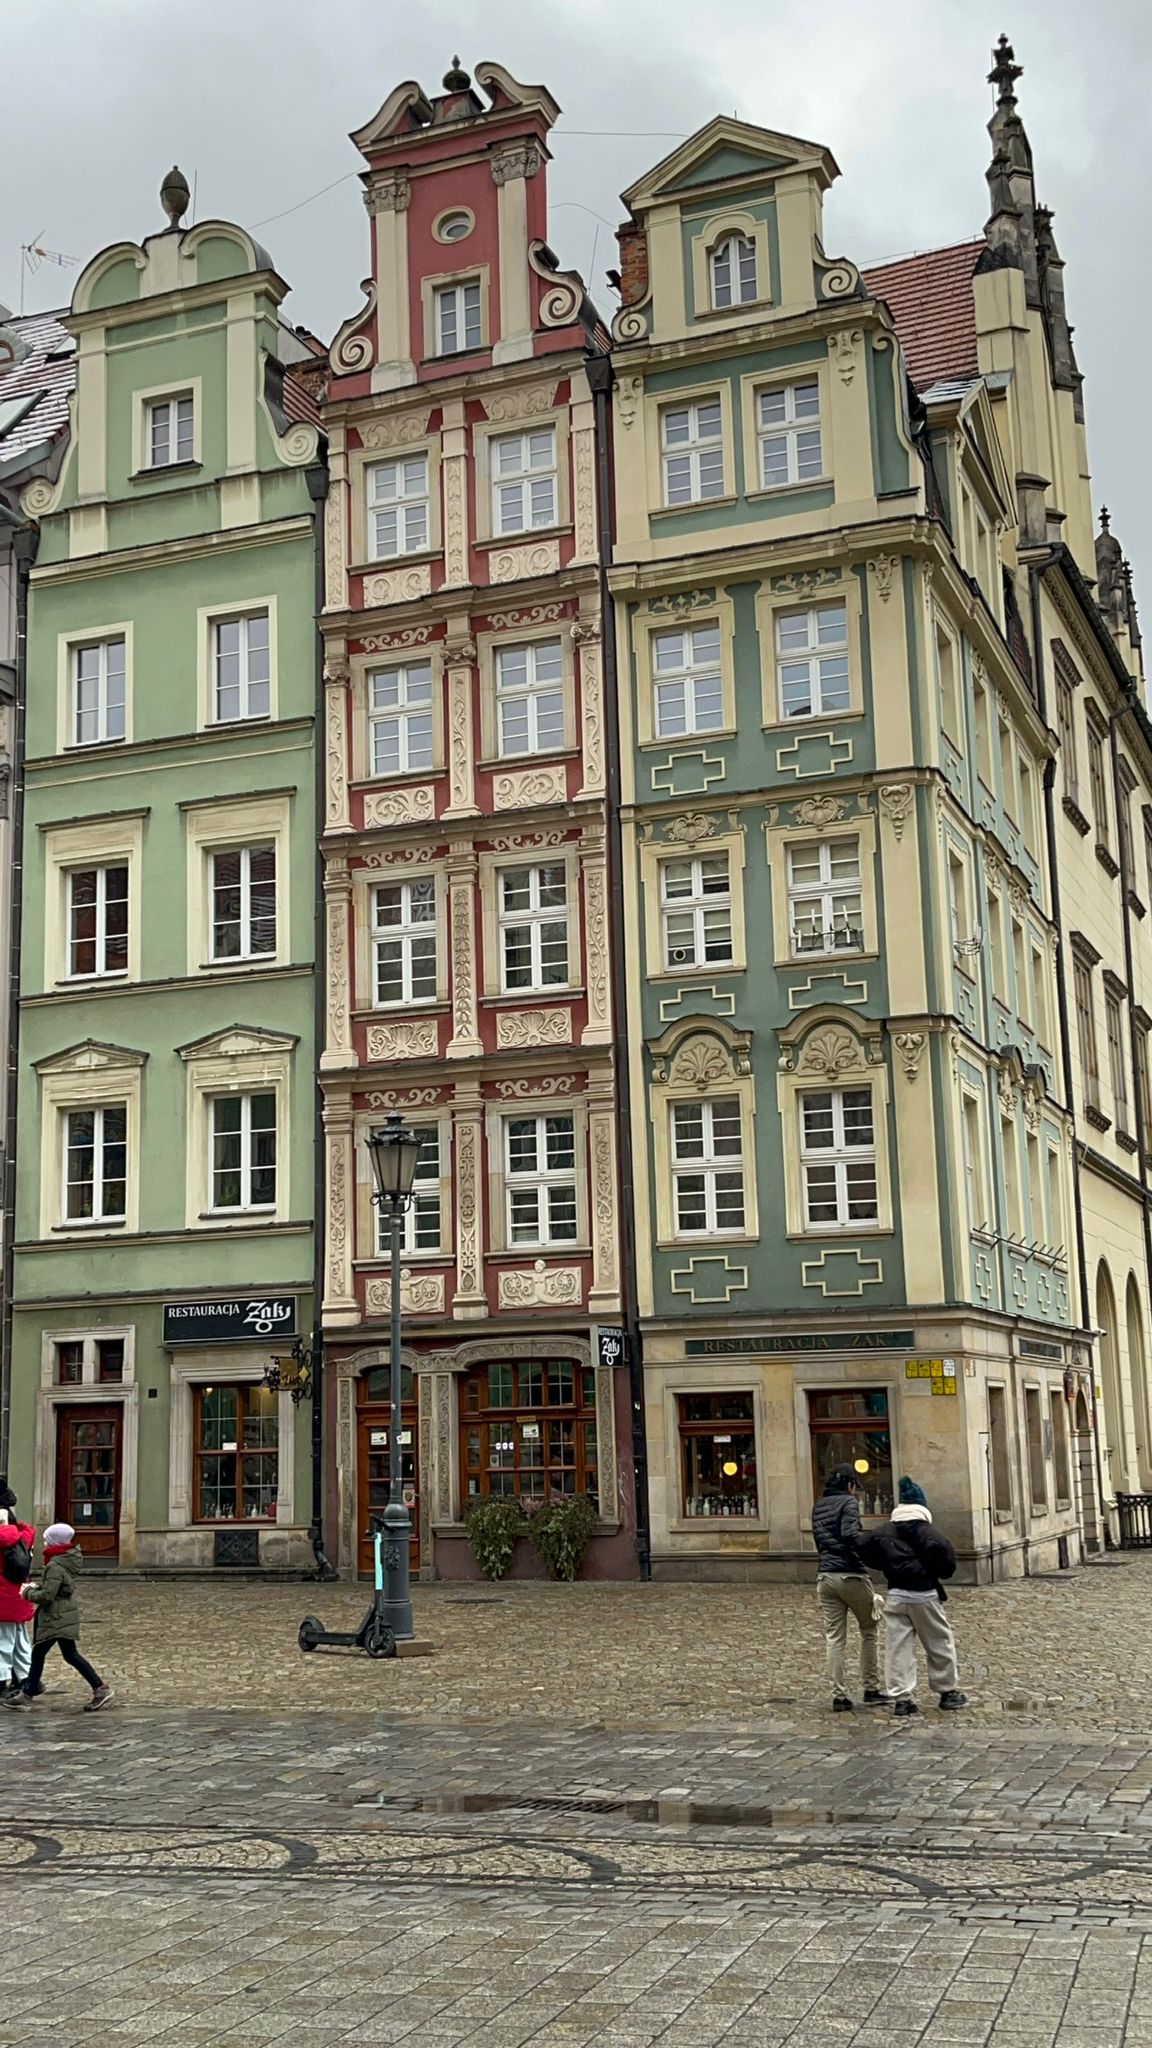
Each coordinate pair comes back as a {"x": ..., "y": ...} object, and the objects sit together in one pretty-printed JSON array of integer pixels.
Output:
[{"x": 373, "y": 1636}]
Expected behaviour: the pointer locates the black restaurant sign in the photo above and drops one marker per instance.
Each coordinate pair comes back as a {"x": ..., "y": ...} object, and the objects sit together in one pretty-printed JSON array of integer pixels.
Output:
[{"x": 230, "y": 1322}]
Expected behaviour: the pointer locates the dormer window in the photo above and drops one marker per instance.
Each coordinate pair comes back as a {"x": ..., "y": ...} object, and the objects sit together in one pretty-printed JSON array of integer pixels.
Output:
[
  {"x": 170, "y": 431},
  {"x": 732, "y": 267},
  {"x": 458, "y": 323}
]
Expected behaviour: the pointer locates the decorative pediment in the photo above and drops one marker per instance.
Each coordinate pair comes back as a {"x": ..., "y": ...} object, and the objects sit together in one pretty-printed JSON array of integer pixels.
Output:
[
  {"x": 830, "y": 1046},
  {"x": 237, "y": 1041},
  {"x": 700, "y": 1052},
  {"x": 91, "y": 1056},
  {"x": 726, "y": 154},
  {"x": 404, "y": 112}
]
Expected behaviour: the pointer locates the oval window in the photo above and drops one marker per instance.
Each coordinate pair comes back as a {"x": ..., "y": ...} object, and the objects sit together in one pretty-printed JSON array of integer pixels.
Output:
[{"x": 453, "y": 227}]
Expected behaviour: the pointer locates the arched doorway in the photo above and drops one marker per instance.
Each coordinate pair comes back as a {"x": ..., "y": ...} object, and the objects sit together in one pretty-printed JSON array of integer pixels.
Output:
[
  {"x": 1138, "y": 1375},
  {"x": 1086, "y": 1467},
  {"x": 373, "y": 1425},
  {"x": 1115, "y": 1430}
]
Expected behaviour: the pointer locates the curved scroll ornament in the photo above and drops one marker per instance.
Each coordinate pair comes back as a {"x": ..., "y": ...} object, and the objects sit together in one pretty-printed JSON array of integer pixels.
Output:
[
  {"x": 298, "y": 446},
  {"x": 839, "y": 279},
  {"x": 38, "y": 497},
  {"x": 353, "y": 349},
  {"x": 564, "y": 297},
  {"x": 631, "y": 322}
]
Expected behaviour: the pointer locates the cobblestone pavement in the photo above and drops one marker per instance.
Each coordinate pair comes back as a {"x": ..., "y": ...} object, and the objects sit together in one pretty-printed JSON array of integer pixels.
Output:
[{"x": 597, "y": 1817}]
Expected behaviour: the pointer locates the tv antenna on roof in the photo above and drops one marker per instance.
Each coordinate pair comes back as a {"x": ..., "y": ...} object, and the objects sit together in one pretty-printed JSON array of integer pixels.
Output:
[{"x": 33, "y": 254}]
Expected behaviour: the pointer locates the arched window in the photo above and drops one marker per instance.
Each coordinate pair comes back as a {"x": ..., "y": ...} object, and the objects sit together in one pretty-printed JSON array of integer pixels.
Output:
[
  {"x": 1115, "y": 1432},
  {"x": 733, "y": 270}
]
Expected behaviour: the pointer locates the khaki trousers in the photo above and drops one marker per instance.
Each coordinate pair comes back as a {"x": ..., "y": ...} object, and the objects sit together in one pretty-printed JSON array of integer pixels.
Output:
[
  {"x": 903, "y": 1624},
  {"x": 842, "y": 1594}
]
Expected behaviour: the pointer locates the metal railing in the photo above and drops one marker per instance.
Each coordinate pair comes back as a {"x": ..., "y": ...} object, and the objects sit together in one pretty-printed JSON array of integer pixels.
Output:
[{"x": 1134, "y": 1514}]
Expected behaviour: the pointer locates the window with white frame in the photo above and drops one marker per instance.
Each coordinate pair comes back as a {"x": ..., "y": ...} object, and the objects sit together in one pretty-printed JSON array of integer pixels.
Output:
[
  {"x": 421, "y": 1222},
  {"x": 732, "y": 265},
  {"x": 825, "y": 907},
  {"x": 170, "y": 429},
  {"x": 788, "y": 431},
  {"x": 838, "y": 1158},
  {"x": 534, "y": 926},
  {"x": 98, "y": 920},
  {"x": 243, "y": 1151},
  {"x": 243, "y": 923},
  {"x": 99, "y": 691},
  {"x": 397, "y": 507},
  {"x": 540, "y": 1179},
  {"x": 529, "y": 699},
  {"x": 404, "y": 942},
  {"x": 696, "y": 911},
  {"x": 812, "y": 660},
  {"x": 400, "y": 730},
  {"x": 241, "y": 668},
  {"x": 686, "y": 680},
  {"x": 457, "y": 311},
  {"x": 708, "y": 1168},
  {"x": 523, "y": 481},
  {"x": 692, "y": 452},
  {"x": 96, "y": 1163}
]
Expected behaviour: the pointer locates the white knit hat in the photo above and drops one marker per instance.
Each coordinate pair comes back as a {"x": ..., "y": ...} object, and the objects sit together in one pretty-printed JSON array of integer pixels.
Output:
[{"x": 59, "y": 1535}]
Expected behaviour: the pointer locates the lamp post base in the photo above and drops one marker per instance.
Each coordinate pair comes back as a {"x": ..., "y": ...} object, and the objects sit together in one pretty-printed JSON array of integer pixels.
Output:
[{"x": 393, "y": 1595}]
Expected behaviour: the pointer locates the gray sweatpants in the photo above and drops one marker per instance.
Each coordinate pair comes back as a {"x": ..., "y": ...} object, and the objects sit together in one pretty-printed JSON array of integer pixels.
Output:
[{"x": 904, "y": 1623}]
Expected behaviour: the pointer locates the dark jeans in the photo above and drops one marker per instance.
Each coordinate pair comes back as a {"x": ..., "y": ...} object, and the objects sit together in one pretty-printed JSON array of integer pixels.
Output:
[{"x": 71, "y": 1655}]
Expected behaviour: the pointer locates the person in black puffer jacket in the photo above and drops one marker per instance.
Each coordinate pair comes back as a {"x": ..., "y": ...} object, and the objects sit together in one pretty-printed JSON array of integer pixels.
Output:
[
  {"x": 844, "y": 1588},
  {"x": 914, "y": 1558}
]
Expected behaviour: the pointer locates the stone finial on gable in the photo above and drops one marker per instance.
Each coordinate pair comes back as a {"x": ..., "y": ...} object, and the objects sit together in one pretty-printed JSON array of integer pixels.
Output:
[{"x": 174, "y": 196}]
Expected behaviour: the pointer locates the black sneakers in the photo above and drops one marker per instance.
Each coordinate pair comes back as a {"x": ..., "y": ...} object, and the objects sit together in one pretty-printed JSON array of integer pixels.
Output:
[
  {"x": 840, "y": 1706},
  {"x": 878, "y": 1699},
  {"x": 951, "y": 1702},
  {"x": 903, "y": 1707}
]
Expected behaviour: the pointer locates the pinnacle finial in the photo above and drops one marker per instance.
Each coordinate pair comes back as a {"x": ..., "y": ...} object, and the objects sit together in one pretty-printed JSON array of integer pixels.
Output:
[
  {"x": 174, "y": 196},
  {"x": 1105, "y": 519},
  {"x": 455, "y": 78},
  {"x": 1005, "y": 71}
]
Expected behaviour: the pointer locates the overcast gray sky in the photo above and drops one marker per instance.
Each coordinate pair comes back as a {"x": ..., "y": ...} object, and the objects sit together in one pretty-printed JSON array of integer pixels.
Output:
[{"x": 254, "y": 99}]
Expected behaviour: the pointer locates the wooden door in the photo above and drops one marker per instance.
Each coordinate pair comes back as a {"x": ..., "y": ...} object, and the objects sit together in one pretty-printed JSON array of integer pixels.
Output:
[
  {"x": 88, "y": 1463},
  {"x": 374, "y": 1417}
]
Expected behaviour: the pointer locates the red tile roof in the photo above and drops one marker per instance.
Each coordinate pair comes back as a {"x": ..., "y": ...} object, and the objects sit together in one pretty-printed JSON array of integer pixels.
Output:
[
  {"x": 930, "y": 296},
  {"x": 304, "y": 394}
]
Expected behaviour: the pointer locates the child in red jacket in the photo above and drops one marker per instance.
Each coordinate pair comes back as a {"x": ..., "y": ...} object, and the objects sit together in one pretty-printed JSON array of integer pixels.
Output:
[{"x": 15, "y": 1611}]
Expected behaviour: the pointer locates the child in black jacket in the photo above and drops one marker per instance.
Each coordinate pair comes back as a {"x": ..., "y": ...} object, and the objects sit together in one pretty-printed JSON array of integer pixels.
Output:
[{"x": 914, "y": 1559}]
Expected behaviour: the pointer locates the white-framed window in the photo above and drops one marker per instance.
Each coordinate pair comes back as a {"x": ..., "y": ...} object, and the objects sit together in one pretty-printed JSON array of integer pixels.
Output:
[
  {"x": 404, "y": 942},
  {"x": 397, "y": 506},
  {"x": 530, "y": 698},
  {"x": 421, "y": 1223},
  {"x": 732, "y": 266},
  {"x": 458, "y": 323},
  {"x": 692, "y": 452},
  {"x": 96, "y": 1163},
  {"x": 687, "y": 681},
  {"x": 788, "y": 430},
  {"x": 241, "y": 668},
  {"x": 243, "y": 1151},
  {"x": 534, "y": 926},
  {"x": 540, "y": 1179},
  {"x": 825, "y": 908},
  {"x": 523, "y": 481},
  {"x": 838, "y": 1158},
  {"x": 812, "y": 660},
  {"x": 243, "y": 917},
  {"x": 708, "y": 1168},
  {"x": 696, "y": 911},
  {"x": 170, "y": 429},
  {"x": 99, "y": 691},
  {"x": 98, "y": 920},
  {"x": 400, "y": 729}
]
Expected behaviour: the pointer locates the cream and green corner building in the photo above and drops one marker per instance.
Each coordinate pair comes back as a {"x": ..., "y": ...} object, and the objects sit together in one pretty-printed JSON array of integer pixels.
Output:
[
  {"x": 881, "y": 1207},
  {"x": 165, "y": 1131}
]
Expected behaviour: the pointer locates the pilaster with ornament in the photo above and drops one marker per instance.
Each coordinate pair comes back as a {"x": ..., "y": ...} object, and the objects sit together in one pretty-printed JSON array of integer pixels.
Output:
[
  {"x": 340, "y": 1304},
  {"x": 583, "y": 437},
  {"x": 892, "y": 682},
  {"x": 469, "y": 1300},
  {"x": 604, "y": 1207},
  {"x": 338, "y": 1048},
  {"x": 459, "y": 657},
  {"x": 899, "y": 868},
  {"x": 846, "y": 387},
  {"x": 336, "y": 525},
  {"x": 594, "y": 867},
  {"x": 465, "y": 1041},
  {"x": 586, "y": 633},
  {"x": 387, "y": 199},
  {"x": 916, "y": 1165},
  {"x": 338, "y": 816},
  {"x": 511, "y": 166},
  {"x": 454, "y": 485}
]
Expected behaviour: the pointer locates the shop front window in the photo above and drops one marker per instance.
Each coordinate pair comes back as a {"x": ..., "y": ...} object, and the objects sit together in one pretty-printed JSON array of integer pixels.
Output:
[
  {"x": 851, "y": 1427},
  {"x": 528, "y": 1429},
  {"x": 237, "y": 1454},
  {"x": 717, "y": 1456}
]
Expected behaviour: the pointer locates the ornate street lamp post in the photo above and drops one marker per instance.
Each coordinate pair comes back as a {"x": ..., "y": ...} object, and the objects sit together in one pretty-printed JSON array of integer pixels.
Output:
[{"x": 393, "y": 1150}]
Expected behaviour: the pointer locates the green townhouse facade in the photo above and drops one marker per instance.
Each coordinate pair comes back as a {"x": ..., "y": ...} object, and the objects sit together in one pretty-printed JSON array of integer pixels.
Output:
[
  {"x": 164, "y": 1226},
  {"x": 851, "y": 1144}
]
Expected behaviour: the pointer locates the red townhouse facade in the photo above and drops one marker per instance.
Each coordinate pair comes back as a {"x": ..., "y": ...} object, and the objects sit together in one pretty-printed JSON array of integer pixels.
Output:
[{"x": 465, "y": 842}]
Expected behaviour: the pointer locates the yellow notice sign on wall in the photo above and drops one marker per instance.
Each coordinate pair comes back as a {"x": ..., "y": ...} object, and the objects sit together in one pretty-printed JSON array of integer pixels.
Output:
[{"x": 940, "y": 1372}]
